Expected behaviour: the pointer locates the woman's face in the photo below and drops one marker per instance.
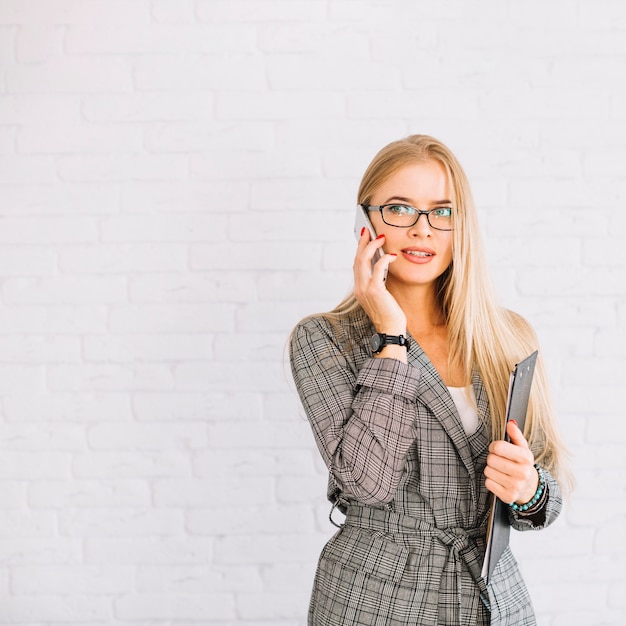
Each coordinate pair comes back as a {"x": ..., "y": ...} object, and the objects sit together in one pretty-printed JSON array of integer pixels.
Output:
[{"x": 424, "y": 253}]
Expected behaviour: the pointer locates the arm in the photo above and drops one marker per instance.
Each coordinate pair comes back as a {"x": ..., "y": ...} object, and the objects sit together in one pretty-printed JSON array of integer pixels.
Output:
[{"x": 363, "y": 421}]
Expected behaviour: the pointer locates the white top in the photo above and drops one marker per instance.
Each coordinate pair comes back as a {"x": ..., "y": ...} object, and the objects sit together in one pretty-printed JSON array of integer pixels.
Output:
[{"x": 465, "y": 400}]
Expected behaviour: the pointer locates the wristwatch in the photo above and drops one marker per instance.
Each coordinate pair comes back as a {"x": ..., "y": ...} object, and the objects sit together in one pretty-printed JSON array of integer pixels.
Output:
[{"x": 380, "y": 340}]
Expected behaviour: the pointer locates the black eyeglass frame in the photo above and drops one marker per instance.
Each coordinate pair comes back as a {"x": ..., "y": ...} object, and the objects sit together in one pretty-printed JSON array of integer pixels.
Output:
[{"x": 419, "y": 212}]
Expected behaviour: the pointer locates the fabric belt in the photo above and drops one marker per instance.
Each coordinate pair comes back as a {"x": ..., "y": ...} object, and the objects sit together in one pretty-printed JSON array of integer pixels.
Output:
[{"x": 460, "y": 542}]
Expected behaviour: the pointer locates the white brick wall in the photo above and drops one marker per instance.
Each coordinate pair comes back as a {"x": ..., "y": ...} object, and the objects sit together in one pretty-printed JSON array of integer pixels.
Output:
[{"x": 177, "y": 180}]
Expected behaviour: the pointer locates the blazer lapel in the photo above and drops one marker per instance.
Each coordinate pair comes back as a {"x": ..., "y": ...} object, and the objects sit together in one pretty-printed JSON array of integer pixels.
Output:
[
  {"x": 434, "y": 394},
  {"x": 480, "y": 441}
]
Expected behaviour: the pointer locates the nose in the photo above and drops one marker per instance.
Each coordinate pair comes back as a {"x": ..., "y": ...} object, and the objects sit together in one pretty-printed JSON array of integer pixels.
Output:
[{"x": 421, "y": 227}]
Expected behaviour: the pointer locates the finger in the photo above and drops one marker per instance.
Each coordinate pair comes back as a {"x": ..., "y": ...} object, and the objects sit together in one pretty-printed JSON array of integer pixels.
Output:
[
  {"x": 365, "y": 237},
  {"x": 379, "y": 241},
  {"x": 505, "y": 473},
  {"x": 497, "y": 464},
  {"x": 494, "y": 474},
  {"x": 519, "y": 488},
  {"x": 366, "y": 252},
  {"x": 366, "y": 243},
  {"x": 362, "y": 242},
  {"x": 509, "y": 452},
  {"x": 515, "y": 434},
  {"x": 499, "y": 490},
  {"x": 505, "y": 486},
  {"x": 379, "y": 271},
  {"x": 363, "y": 257}
]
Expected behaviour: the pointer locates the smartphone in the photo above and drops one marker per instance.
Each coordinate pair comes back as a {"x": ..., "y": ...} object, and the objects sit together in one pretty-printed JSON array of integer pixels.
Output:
[{"x": 361, "y": 220}]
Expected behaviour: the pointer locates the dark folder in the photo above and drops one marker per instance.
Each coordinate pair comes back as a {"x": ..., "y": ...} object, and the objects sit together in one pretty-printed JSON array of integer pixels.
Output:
[{"x": 499, "y": 528}]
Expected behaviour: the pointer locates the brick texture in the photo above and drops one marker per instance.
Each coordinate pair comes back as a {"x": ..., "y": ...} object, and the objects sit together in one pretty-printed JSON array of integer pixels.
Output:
[{"x": 177, "y": 181}]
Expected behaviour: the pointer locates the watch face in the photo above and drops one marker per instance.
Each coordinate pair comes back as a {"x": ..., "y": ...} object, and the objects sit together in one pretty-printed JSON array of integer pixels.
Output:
[{"x": 377, "y": 341}]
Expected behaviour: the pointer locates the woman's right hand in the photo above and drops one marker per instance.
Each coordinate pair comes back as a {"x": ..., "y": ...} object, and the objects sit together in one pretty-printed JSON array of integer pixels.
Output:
[{"x": 370, "y": 289}]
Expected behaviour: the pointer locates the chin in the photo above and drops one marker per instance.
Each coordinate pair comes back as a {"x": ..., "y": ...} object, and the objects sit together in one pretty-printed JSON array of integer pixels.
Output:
[{"x": 413, "y": 281}]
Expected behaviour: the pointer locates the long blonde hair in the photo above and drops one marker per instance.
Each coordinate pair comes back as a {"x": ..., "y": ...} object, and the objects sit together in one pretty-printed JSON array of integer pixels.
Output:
[{"x": 481, "y": 334}]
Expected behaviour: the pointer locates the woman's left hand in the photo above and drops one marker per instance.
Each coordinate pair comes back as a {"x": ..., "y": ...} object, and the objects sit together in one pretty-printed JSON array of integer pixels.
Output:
[{"x": 510, "y": 471}]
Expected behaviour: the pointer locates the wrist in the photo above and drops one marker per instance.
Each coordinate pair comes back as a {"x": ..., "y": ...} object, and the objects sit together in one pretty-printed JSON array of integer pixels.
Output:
[
  {"x": 392, "y": 352},
  {"x": 530, "y": 490},
  {"x": 380, "y": 340},
  {"x": 391, "y": 329},
  {"x": 537, "y": 500},
  {"x": 385, "y": 345}
]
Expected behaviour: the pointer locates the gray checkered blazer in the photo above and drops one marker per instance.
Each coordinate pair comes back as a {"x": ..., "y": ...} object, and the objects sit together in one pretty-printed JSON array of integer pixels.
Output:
[{"x": 410, "y": 482}]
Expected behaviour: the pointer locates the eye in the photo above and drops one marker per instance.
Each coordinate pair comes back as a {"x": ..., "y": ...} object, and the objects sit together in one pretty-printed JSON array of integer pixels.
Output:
[
  {"x": 443, "y": 212},
  {"x": 399, "y": 209}
]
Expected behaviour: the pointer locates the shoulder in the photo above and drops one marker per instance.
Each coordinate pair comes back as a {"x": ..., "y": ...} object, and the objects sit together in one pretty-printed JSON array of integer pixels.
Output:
[
  {"x": 339, "y": 326},
  {"x": 345, "y": 332}
]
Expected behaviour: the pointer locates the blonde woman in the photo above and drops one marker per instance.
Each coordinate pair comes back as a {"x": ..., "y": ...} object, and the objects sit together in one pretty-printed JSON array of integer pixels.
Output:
[{"x": 405, "y": 386}]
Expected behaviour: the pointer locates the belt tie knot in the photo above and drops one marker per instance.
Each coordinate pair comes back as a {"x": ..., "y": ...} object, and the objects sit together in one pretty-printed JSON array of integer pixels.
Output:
[{"x": 457, "y": 539}]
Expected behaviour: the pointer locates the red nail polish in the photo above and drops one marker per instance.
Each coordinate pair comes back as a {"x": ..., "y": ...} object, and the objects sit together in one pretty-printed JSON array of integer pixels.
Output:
[
  {"x": 380, "y": 236},
  {"x": 362, "y": 231},
  {"x": 514, "y": 422},
  {"x": 392, "y": 254}
]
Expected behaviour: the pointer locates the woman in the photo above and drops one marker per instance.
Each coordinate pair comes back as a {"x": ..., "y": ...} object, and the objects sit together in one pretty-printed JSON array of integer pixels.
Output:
[{"x": 405, "y": 386}]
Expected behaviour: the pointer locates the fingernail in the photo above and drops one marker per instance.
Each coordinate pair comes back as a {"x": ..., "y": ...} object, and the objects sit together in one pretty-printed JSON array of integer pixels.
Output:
[
  {"x": 392, "y": 254},
  {"x": 514, "y": 422},
  {"x": 362, "y": 231},
  {"x": 380, "y": 236}
]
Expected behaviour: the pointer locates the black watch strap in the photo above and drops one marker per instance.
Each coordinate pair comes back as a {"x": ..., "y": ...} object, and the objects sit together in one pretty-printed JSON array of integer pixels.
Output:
[{"x": 380, "y": 340}]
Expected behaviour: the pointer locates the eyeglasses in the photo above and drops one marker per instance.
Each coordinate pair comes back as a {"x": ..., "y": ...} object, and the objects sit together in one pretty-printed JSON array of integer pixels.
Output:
[{"x": 405, "y": 216}]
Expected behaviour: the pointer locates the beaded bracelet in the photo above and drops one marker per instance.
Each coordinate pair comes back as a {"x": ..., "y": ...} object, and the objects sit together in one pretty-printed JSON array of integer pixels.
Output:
[{"x": 540, "y": 489}]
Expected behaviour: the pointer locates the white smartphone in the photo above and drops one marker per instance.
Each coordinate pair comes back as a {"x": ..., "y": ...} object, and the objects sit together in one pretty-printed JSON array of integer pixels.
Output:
[{"x": 361, "y": 219}]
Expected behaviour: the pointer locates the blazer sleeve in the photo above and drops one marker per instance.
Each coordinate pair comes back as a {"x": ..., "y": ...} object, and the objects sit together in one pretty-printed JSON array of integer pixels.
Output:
[
  {"x": 546, "y": 514},
  {"x": 364, "y": 420}
]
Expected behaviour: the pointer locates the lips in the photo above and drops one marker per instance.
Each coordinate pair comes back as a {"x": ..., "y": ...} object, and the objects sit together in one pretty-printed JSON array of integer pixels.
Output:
[{"x": 418, "y": 255}]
